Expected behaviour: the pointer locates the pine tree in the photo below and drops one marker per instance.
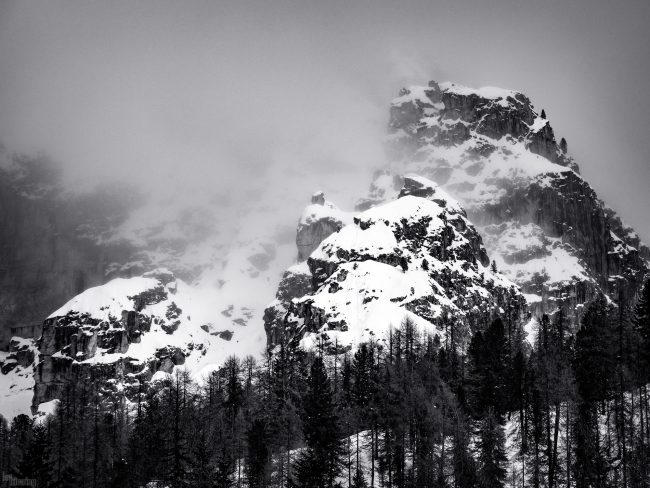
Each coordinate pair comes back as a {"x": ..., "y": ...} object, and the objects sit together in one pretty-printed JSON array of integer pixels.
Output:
[
  {"x": 543, "y": 114},
  {"x": 21, "y": 439},
  {"x": 120, "y": 474},
  {"x": 5, "y": 445},
  {"x": 225, "y": 469},
  {"x": 465, "y": 469},
  {"x": 641, "y": 323},
  {"x": 202, "y": 473},
  {"x": 320, "y": 462},
  {"x": 595, "y": 379},
  {"x": 594, "y": 357},
  {"x": 491, "y": 452},
  {"x": 359, "y": 480},
  {"x": 489, "y": 379},
  {"x": 362, "y": 365},
  {"x": 286, "y": 389},
  {"x": 150, "y": 429},
  {"x": 36, "y": 463},
  {"x": 259, "y": 457}
]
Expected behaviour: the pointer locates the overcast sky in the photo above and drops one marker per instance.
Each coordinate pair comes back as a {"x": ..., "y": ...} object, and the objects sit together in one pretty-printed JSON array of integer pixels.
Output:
[{"x": 225, "y": 90}]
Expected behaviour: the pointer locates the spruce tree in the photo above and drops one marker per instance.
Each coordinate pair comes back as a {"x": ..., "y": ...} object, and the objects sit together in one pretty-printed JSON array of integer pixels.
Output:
[
  {"x": 595, "y": 369},
  {"x": 491, "y": 451},
  {"x": 489, "y": 379},
  {"x": 259, "y": 457},
  {"x": 464, "y": 465},
  {"x": 202, "y": 473},
  {"x": 320, "y": 462},
  {"x": 641, "y": 323},
  {"x": 36, "y": 463}
]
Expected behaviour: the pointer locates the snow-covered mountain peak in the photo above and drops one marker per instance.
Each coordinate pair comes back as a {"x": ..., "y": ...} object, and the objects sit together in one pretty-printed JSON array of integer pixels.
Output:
[
  {"x": 415, "y": 257},
  {"x": 127, "y": 331},
  {"x": 477, "y": 142},
  {"x": 498, "y": 156}
]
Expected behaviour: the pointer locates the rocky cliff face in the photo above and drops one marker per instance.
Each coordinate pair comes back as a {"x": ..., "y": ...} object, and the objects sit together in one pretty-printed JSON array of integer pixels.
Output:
[
  {"x": 49, "y": 250},
  {"x": 125, "y": 334},
  {"x": 417, "y": 257},
  {"x": 318, "y": 221},
  {"x": 542, "y": 223}
]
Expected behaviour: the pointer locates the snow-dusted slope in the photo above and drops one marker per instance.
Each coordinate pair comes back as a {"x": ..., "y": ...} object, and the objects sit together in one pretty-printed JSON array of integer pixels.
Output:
[
  {"x": 17, "y": 377},
  {"x": 221, "y": 262},
  {"x": 227, "y": 249},
  {"x": 415, "y": 257},
  {"x": 130, "y": 329},
  {"x": 541, "y": 222}
]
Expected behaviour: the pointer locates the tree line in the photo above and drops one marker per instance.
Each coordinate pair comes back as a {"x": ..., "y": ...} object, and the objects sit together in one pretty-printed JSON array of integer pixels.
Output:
[{"x": 569, "y": 410}]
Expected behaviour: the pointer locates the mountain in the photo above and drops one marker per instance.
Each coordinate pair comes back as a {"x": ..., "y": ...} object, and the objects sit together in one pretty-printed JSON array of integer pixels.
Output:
[
  {"x": 225, "y": 252},
  {"x": 415, "y": 258},
  {"x": 541, "y": 222},
  {"x": 129, "y": 331},
  {"x": 480, "y": 213}
]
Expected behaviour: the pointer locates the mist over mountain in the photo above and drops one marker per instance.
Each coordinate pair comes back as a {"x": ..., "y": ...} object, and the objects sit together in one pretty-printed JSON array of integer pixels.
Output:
[
  {"x": 267, "y": 245},
  {"x": 226, "y": 92}
]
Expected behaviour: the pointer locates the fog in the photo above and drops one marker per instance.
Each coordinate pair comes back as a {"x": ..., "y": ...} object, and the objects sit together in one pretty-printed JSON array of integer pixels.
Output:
[{"x": 231, "y": 94}]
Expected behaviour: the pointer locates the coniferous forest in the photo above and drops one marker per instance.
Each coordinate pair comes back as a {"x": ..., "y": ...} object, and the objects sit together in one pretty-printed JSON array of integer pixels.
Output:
[{"x": 572, "y": 410}]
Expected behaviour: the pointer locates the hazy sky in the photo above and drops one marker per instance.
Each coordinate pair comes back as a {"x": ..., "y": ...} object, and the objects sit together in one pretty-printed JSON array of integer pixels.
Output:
[{"x": 225, "y": 90}]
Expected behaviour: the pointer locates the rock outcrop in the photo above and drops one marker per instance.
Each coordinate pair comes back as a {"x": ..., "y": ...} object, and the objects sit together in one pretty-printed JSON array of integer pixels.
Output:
[
  {"x": 417, "y": 257},
  {"x": 542, "y": 223},
  {"x": 319, "y": 220},
  {"x": 122, "y": 335}
]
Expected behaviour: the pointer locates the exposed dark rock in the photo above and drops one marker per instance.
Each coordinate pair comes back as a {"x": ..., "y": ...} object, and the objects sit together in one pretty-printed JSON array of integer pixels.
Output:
[
  {"x": 321, "y": 219},
  {"x": 560, "y": 203},
  {"x": 149, "y": 297},
  {"x": 70, "y": 342}
]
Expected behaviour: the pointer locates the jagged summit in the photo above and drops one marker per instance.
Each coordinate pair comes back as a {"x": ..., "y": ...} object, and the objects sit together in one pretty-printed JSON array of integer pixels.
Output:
[
  {"x": 449, "y": 115},
  {"x": 417, "y": 256},
  {"x": 541, "y": 221}
]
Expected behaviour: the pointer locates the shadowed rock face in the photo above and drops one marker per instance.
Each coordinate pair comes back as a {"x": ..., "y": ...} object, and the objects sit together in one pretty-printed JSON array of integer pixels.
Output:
[
  {"x": 308, "y": 237},
  {"x": 295, "y": 283},
  {"x": 85, "y": 349},
  {"x": 490, "y": 149},
  {"x": 462, "y": 114},
  {"x": 319, "y": 220},
  {"x": 48, "y": 250}
]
